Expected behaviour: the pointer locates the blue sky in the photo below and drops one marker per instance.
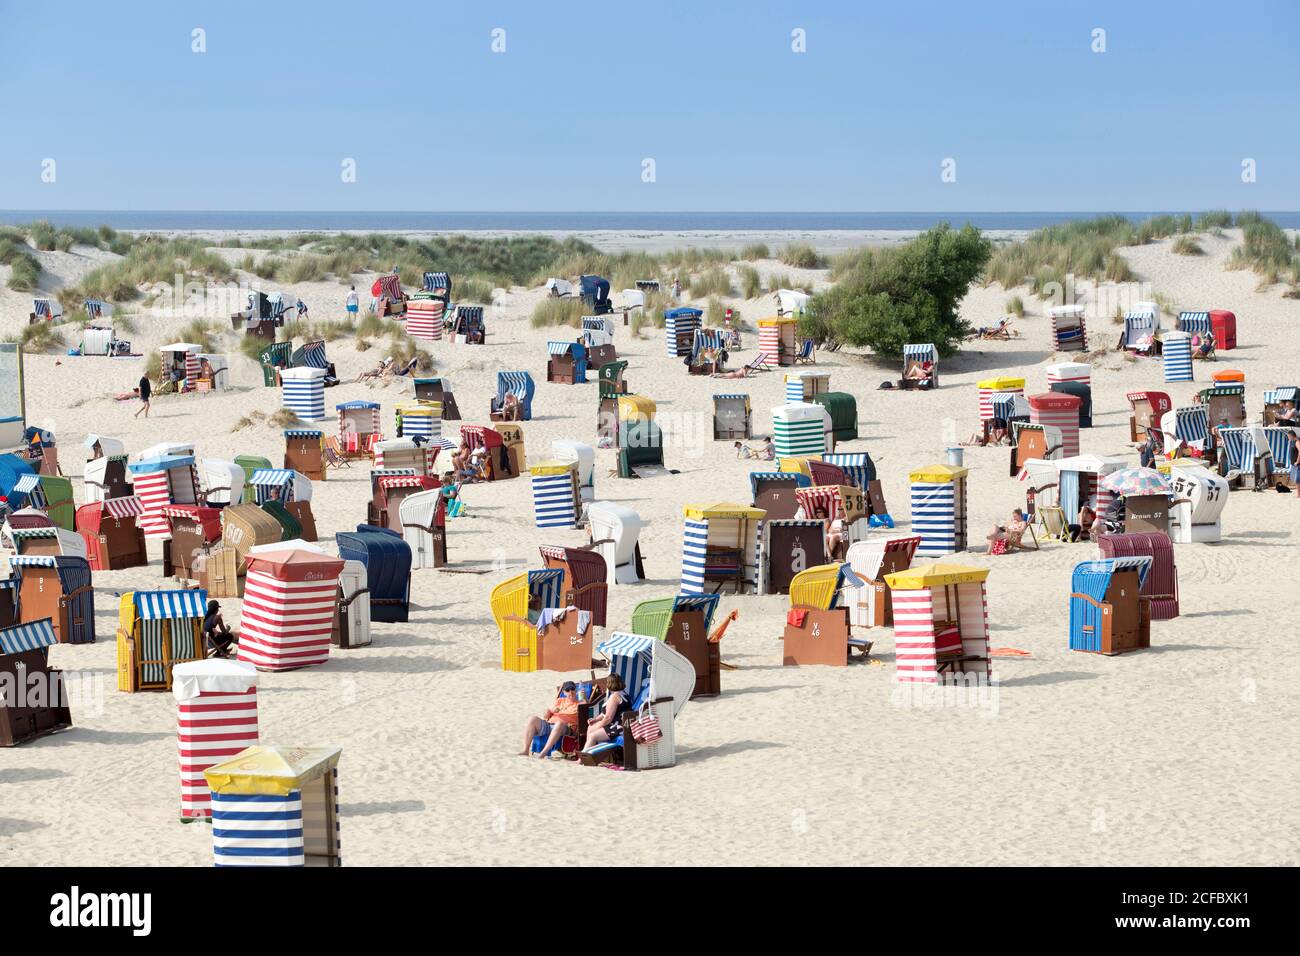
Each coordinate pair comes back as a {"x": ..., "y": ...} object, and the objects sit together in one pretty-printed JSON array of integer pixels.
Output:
[{"x": 584, "y": 92}]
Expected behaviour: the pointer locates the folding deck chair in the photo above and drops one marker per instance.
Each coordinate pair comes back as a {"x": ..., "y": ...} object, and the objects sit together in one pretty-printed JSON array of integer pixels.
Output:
[
  {"x": 1051, "y": 518},
  {"x": 334, "y": 456},
  {"x": 806, "y": 354}
]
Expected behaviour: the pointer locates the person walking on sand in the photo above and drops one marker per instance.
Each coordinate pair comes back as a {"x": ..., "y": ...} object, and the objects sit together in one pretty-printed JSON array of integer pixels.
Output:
[
  {"x": 353, "y": 303},
  {"x": 145, "y": 390}
]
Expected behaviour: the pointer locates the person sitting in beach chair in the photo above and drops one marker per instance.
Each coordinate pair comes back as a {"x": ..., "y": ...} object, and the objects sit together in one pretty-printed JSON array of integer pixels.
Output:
[
  {"x": 919, "y": 371},
  {"x": 1005, "y": 537},
  {"x": 1203, "y": 346},
  {"x": 558, "y": 722},
  {"x": 758, "y": 364},
  {"x": 507, "y": 409},
  {"x": 217, "y": 636},
  {"x": 605, "y": 726},
  {"x": 1082, "y": 530},
  {"x": 993, "y": 433}
]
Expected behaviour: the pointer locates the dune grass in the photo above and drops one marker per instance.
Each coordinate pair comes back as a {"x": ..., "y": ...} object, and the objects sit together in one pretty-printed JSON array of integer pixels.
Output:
[
  {"x": 713, "y": 282},
  {"x": 472, "y": 289},
  {"x": 201, "y": 333},
  {"x": 755, "y": 250},
  {"x": 751, "y": 284},
  {"x": 40, "y": 337},
  {"x": 1214, "y": 219},
  {"x": 551, "y": 312},
  {"x": 152, "y": 260},
  {"x": 1015, "y": 306},
  {"x": 1187, "y": 246},
  {"x": 800, "y": 255},
  {"x": 25, "y": 270},
  {"x": 1266, "y": 250}
]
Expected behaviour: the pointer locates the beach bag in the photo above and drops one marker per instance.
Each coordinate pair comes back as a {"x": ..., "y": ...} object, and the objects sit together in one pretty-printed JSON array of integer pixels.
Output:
[{"x": 645, "y": 729}]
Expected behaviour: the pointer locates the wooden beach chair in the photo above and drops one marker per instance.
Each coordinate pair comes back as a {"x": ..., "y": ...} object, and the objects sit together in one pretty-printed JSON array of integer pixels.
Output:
[
  {"x": 1051, "y": 518},
  {"x": 334, "y": 456},
  {"x": 807, "y": 353}
]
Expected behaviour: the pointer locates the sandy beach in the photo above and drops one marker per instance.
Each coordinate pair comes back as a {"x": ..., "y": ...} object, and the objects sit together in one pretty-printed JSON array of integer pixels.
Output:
[{"x": 1182, "y": 754}]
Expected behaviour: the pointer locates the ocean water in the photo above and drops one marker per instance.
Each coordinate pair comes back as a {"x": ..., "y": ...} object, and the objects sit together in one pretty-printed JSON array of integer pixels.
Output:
[{"x": 562, "y": 221}]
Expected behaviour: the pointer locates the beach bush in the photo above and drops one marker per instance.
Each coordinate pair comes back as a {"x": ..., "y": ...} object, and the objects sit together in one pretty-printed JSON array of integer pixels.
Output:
[
  {"x": 755, "y": 250},
  {"x": 1015, "y": 306},
  {"x": 1187, "y": 246},
  {"x": 800, "y": 255},
  {"x": 901, "y": 294},
  {"x": 751, "y": 284},
  {"x": 550, "y": 312}
]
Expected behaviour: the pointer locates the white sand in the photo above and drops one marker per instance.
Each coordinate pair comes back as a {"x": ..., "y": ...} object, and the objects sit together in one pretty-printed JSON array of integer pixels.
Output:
[{"x": 1181, "y": 755}]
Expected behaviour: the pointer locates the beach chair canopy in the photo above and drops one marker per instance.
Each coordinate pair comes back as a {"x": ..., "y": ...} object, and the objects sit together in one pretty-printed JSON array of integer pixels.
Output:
[
  {"x": 821, "y": 587},
  {"x": 170, "y": 605},
  {"x": 293, "y": 485},
  {"x": 632, "y": 299},
  {"x": 920, "y": 352},
  {"x": 12, "y": 468},
  {"x": 1093, "y": 577},
  {"x": 594, "y": 288},
  {"x": 566, "y": 450},
  {"x": 559, "y": 287},
  {"x": 387, "y": 558},
  {"x": 439, "y": 282},
  {"x": 103, "y": 445},
  {"x": 645, "y": 663},
  {"x": 790, "y": 301},
  {"x": 33, "y": 636}
]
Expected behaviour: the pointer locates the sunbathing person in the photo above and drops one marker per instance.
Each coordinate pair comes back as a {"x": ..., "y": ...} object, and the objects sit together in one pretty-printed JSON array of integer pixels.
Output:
[
  {"x": 1007, "y": 535},
  {"x": 605, "y": 725},
  {"x": 559, "y": 721}
]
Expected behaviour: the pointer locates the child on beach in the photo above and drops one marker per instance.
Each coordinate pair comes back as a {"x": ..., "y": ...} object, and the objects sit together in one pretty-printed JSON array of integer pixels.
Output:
[
  {"x": 144, "y": 390},
  {"x": 744, "y": 452}
]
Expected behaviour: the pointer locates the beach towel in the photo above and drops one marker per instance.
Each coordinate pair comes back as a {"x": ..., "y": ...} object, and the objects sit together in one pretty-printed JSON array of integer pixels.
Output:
[{"x": 796, "y": 616}]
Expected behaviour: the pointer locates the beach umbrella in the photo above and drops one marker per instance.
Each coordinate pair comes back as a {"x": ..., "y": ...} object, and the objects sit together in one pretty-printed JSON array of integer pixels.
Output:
[
  {"x": 637, "y": 658},
  {"x": 1137, "y": 481}
]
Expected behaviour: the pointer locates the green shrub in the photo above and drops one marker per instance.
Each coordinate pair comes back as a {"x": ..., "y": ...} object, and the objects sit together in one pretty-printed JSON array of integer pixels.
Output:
[{"x": 901, "y": 294}]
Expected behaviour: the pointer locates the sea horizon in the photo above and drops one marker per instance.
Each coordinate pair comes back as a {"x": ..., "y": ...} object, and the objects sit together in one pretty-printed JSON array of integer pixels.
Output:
[{"x": 585, "y": 222}]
